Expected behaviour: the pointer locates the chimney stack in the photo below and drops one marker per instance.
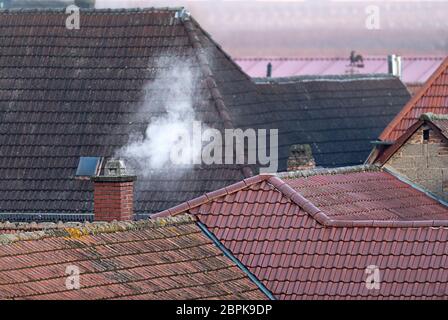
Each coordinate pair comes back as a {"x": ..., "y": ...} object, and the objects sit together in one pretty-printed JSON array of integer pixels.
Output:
[
  {"x": 394, "y": 65},
  {"x": 114, "y": 193}
]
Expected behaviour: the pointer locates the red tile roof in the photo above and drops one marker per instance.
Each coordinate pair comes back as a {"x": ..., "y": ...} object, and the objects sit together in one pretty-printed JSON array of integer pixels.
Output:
[
  {"x": 371, "y": 195},
  {"x": 433, "y": 97},
  {"x": 298, "y": 246},
  {"x": 156, "y": 259}
]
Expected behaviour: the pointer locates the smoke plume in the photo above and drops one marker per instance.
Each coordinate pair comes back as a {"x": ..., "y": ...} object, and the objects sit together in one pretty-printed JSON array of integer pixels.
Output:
[{"x": 172, "y": 94}]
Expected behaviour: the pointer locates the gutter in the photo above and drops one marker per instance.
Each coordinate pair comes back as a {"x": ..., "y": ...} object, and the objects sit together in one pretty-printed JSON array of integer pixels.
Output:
[{"x": 229, "y": 255}]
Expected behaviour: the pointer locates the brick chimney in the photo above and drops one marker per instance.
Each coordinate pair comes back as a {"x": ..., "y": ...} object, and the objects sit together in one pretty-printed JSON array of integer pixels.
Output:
[{"x": 114, "y": 193}]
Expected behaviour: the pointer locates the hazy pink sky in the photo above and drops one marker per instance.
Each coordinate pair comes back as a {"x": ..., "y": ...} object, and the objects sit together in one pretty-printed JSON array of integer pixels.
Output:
[{"x": 315, "y": 27}]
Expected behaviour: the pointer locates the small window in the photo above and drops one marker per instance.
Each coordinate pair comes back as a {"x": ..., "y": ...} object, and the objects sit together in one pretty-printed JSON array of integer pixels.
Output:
[
  {"x": 426, "y": 135},
  {"x": 88, "y": 166}
]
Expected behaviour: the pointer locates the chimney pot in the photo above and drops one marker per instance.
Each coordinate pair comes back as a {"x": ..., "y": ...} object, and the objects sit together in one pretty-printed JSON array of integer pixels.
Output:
[
  {"x": 394, "y": 65},
  {"x": 269, "y": 70},
  {"x": 115, "y": 168},
  {"x": 114, "y": 193}
]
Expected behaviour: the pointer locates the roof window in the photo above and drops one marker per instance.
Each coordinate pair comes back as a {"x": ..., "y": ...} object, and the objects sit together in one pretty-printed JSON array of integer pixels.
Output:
[{"x": 88, "y": 166}]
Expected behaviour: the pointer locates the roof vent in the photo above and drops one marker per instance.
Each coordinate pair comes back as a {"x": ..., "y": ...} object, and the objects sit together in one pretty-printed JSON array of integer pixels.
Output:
[
  {"x": 394, "y": 65},
  {"x": 115, "y": 168}
]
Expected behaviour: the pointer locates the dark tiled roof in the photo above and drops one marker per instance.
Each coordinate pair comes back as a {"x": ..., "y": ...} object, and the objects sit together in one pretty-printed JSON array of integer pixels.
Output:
[
  {"x": 71, "y": 93},
  {"x": 156, "y": 259},
  {"x": 432, "y": 97},
  {"x": 299, "y": 249},
  {"x": 338, "y": 116}
]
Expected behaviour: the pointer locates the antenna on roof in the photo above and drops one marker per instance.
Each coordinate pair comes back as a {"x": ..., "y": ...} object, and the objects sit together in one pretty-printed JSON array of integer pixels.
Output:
[{"x": 269, "y": 70}]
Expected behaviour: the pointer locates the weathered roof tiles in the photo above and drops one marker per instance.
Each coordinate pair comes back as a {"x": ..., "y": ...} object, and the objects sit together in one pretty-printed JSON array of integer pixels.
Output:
[
  {"x": 154, "y": 259},
  {"x": 66, "y": 94},
  {"x": 313, "y": 235}
]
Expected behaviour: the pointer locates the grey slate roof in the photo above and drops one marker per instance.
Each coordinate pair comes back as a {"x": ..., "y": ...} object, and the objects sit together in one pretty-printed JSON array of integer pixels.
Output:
[
  {"x": 338, "y": 116},
  {"x": 71, "y": 93}
]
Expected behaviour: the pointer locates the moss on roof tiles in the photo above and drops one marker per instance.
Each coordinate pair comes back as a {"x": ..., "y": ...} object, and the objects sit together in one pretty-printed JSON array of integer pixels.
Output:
[
  {"x": 330, "y": 171},
  {"x": 429, "y": 116},
  {"x": 69, "y": 230}
]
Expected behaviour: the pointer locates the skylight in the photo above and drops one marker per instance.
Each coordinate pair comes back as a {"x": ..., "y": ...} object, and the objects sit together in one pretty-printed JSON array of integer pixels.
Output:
[{"x": 88, "y": 166}]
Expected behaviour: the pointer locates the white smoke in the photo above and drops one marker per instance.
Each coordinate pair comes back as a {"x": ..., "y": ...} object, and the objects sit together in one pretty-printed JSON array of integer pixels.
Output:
[{"x": 171, "y": 93}]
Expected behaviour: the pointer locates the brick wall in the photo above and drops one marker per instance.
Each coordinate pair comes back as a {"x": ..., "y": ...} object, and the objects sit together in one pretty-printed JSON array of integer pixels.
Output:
[
  {"x": 424, "y": 162},
  {"x": 113, "y": 201}
]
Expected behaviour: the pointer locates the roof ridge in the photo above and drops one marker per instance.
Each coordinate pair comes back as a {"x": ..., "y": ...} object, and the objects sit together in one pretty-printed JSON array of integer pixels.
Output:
[
  {"x": 311, "y": 78},
  {"x": 34, "y": 225},
  {"x": 287, "y": 191},
  {"x": 210, "y": 196},
  {"x": 219, "y": 47},
  {"x": 92, "y": 10},
  {"x": 322, "y": 218},
  {"x": 206, "y": 70},
  {"x": 339, "y": 58},
  {"x": 95, "y": 228},
  {"x": 328, "y": 171},
  {"x": 411, "y": 103}
]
